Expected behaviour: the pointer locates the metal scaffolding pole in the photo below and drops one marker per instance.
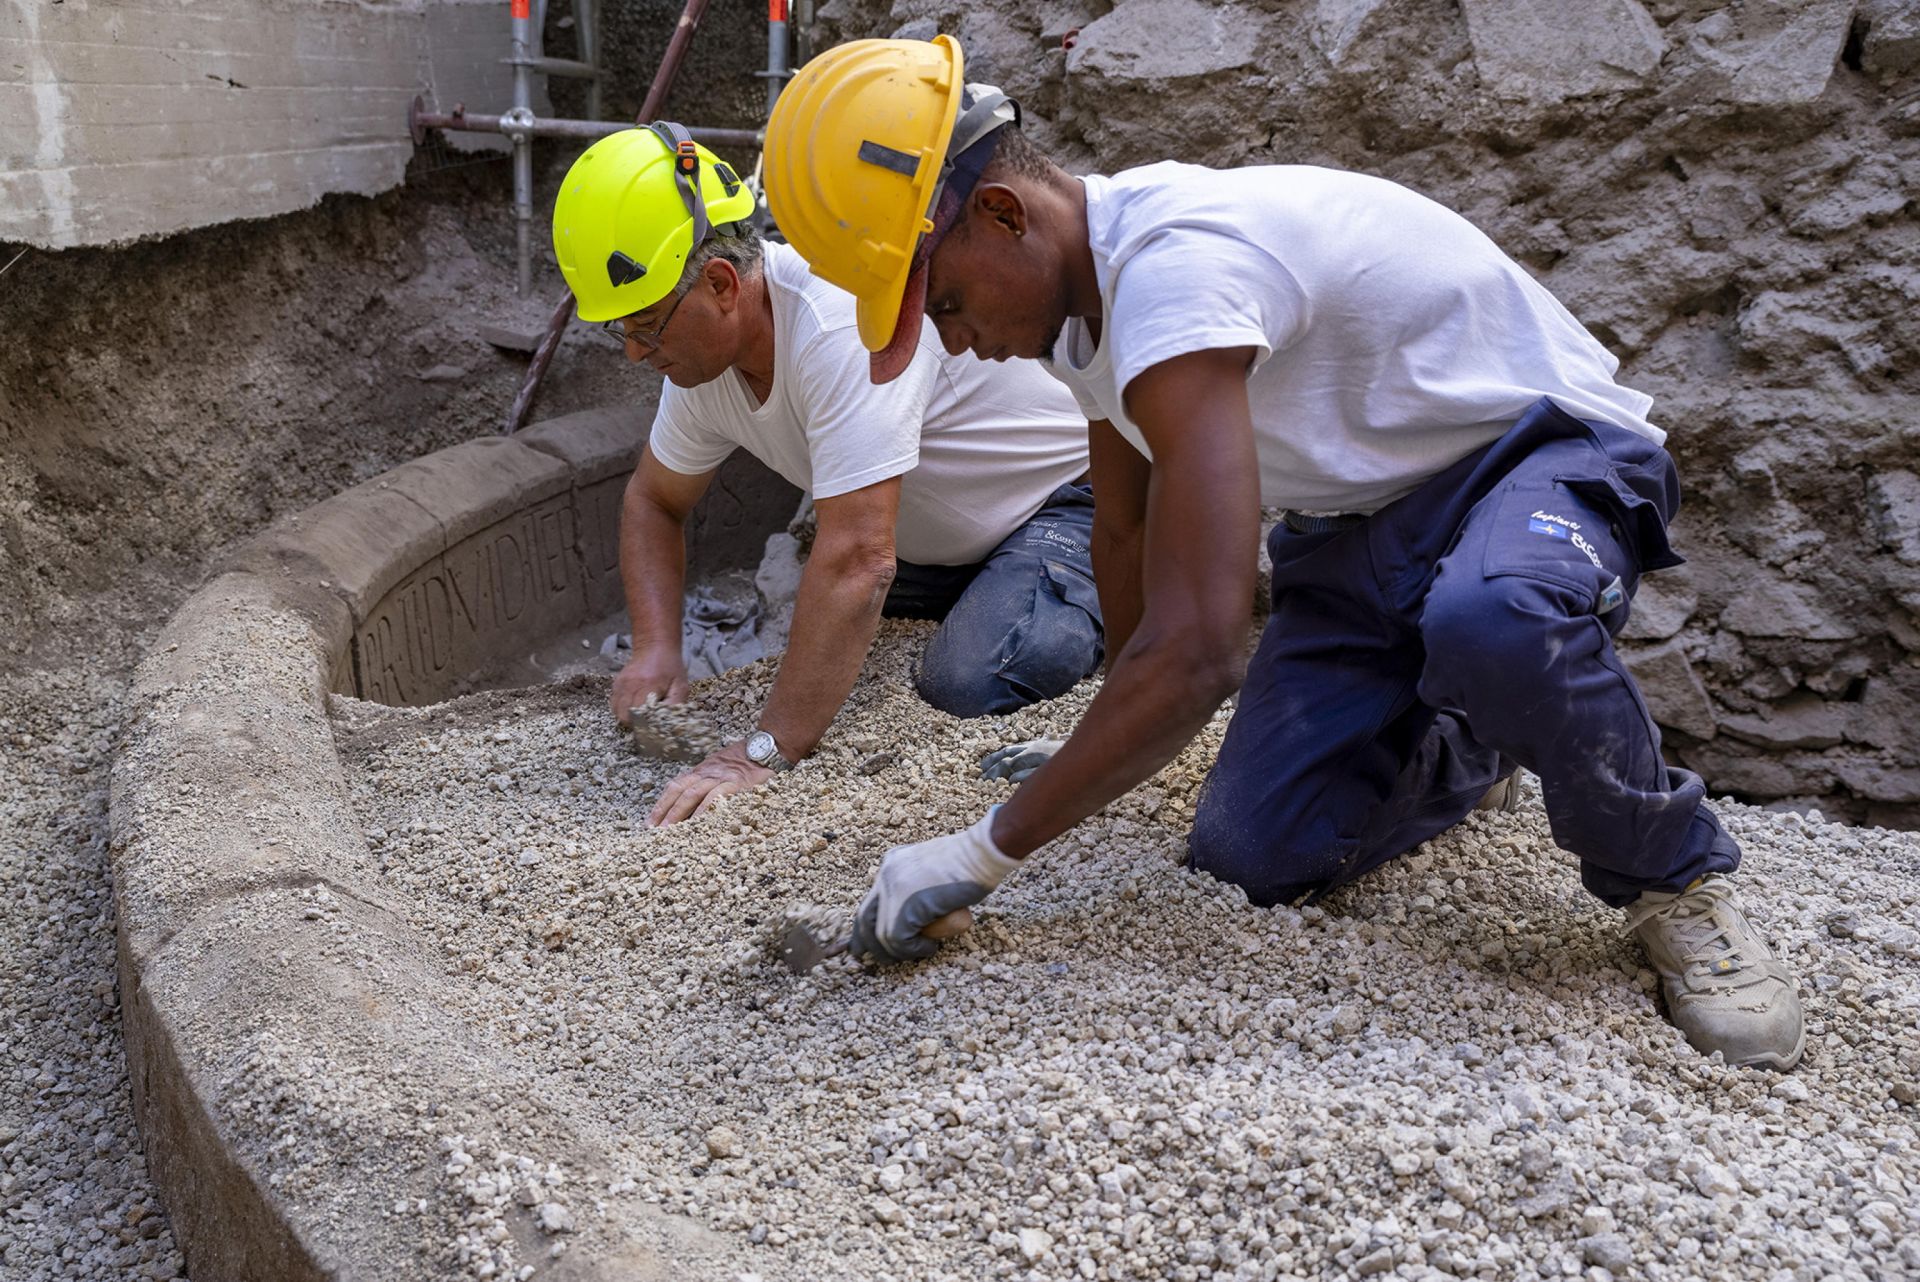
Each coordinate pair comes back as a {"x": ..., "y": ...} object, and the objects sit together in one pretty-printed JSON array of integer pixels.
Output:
[
  {"x": 522, "y": 114},
  {"x": 521, "y": 126},
  {"x": 419, "y": 119},
  {"x": 778, "y": 68}
]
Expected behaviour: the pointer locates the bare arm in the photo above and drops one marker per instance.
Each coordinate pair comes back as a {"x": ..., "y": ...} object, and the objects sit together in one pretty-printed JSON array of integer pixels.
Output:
[
  {"x": 1188, "y": 650},
  {"x": 653, "y": 573},
  {"x": 1119, "y": 474},
  {"x": 834, "y": 617}
]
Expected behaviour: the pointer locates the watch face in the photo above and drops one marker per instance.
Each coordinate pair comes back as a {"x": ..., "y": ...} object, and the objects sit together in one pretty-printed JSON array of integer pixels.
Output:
[{"x": 760, "y": 747}]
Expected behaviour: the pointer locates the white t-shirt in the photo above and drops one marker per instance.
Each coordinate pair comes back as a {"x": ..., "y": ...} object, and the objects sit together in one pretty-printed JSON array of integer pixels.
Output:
[
  {"x": 1391, "y": 337},
  {"x": 980, "y": 445}
]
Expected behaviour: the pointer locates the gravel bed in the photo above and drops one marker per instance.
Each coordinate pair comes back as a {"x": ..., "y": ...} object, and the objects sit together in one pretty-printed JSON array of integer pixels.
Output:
[
  {"x": 1457, "y": 1067},
  {"x": 75, "y": 1199}
]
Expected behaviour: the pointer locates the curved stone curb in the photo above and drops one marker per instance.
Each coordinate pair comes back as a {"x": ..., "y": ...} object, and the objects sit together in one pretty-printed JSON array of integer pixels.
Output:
[{"x": 292, "y": 1062}]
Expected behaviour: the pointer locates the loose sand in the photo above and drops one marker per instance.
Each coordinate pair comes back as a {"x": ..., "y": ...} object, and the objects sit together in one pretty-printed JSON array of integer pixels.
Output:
[{"x": 1456, "y": 1067}]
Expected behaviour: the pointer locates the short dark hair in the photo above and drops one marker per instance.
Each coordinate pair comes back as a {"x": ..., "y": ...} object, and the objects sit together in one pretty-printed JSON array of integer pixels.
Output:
[{"x": 1017, "y": 156}]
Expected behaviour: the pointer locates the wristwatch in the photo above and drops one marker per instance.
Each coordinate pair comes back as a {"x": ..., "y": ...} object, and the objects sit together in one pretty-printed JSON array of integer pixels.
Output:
[{"x": 764, "y": 752}]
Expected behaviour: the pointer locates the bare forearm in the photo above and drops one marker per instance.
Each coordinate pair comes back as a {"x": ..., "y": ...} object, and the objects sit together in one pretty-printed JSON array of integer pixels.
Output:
[
  {"x": 1151, "y": 705},
  {"x": 1116, "y": 573},
  {"x": 1180, "y": 615},
  {"x": 653, "y": 572},
  {"x": 834, "y": 618}
]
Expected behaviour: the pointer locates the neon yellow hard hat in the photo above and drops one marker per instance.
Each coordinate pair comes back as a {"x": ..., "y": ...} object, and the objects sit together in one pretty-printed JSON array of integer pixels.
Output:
[
  {"x": 627, "y": 217},
  {"x": 857, "y": 149}
]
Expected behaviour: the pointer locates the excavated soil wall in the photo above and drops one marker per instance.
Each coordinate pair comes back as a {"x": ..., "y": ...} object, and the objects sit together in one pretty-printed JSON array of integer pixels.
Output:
[{"x": 1722, "y": 192}]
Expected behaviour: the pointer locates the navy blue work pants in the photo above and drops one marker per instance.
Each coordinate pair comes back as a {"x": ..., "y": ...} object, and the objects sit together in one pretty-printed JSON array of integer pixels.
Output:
[
  {"x": 1021, "y": 626},
  {"x": 1412, "y": 659}
]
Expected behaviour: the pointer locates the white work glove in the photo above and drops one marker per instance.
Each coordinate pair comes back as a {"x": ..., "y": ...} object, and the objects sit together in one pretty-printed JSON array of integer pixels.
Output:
[
  {"x": 918, "y": 885},
  {"x": 1018, "y": 760}
]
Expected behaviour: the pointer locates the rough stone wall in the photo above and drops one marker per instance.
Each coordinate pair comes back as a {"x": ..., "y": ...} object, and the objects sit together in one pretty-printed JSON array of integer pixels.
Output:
[{"x": 1722, "y": 192}]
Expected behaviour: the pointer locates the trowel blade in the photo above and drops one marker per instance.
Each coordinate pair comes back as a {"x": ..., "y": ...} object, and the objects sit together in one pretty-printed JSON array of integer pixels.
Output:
[{"x": 802, "y": 950}]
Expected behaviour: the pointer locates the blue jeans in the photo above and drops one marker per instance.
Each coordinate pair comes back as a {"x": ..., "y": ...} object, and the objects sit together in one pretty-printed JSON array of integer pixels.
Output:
[
  {"x": 1021, "y": 626},
  {"x": 1414, "y": 657}
]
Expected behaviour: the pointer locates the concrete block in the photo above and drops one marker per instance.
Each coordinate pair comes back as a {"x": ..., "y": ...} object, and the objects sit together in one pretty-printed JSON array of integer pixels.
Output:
[
  {"x": 281, "y": 624},
  {"x": 141, "y": 118},
  {"x": 273, "y": 999},
  {"x": 501, "y": 590},
  {"x": 289, "y": 1091},
  {"x": 358, "y": 543},
  {"x": 595, "y": 443},
  {"x": 227, "y": 780},
  {"x": 597, "y": 510},
  {"x": 476, "y": 484},
  {"x": 1541, "y": 51}
]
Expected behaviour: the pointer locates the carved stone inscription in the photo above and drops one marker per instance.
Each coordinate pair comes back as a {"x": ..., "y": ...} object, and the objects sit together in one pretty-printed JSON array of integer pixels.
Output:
[
  {"x": 746, "y": 502},
  {"x": 545, "y": 569},
  {"x": 511, "y": 585},
  {"x": 598, "y": 508}
]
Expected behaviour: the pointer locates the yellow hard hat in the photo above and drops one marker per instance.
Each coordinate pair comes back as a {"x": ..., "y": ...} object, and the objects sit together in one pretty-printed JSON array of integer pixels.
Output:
[
  {"x": 857, "y": 149},
  {"x": 627, "y": 217}
]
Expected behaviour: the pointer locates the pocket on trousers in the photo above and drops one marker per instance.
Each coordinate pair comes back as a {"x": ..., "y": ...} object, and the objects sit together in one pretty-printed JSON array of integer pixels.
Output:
[
  {"x": 1628, "y": 495},
  {"x": 1567, "y": 538},
  {"x": 1075, "y": 589}
]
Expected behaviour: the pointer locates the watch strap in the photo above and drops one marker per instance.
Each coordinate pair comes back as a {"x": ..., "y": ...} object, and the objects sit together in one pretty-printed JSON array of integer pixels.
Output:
[{"x": 774, "y": 761}]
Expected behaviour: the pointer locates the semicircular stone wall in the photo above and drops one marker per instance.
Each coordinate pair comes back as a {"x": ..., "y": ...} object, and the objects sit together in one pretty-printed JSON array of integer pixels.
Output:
[{"x": 271, "y": 991}]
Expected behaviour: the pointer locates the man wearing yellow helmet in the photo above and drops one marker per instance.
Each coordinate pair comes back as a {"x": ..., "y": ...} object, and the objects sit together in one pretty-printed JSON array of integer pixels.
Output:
[
  {"x": 953, "y": 492},
  {"x": 1470, "y": 501}
]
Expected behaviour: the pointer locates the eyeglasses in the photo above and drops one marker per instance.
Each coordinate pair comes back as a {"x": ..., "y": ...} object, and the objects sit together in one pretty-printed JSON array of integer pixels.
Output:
[{"x": 646, "y": 338}]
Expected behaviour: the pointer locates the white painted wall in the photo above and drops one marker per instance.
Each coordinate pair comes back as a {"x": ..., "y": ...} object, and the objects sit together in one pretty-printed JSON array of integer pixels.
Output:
[{"x": 123, "y": 119}]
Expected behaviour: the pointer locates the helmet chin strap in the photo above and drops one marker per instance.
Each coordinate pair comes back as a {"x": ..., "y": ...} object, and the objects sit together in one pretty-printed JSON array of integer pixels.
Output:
[{"x": 686, "y": 176}]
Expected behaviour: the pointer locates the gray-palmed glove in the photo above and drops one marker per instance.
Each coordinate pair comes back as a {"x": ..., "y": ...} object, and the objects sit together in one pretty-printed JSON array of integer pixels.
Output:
[
  {"x": 919, "y": 884},
  {"x": 1018, "y": 760}
]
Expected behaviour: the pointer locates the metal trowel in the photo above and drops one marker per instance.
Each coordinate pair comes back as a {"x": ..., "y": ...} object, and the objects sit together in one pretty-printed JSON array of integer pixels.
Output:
[{"x": 802, "y": 950}]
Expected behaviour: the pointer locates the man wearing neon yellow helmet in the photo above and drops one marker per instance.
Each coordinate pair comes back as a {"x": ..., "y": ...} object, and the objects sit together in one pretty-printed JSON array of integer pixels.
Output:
[
  {"x": 1470, "y": 501},
  {"x": 953, "y": 492}
]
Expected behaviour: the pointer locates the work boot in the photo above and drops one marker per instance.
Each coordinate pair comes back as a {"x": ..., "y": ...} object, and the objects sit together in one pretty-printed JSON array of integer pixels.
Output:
[
  {"x": 1503, "y": 796},
  {"x": 1725, "y": 988}
]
